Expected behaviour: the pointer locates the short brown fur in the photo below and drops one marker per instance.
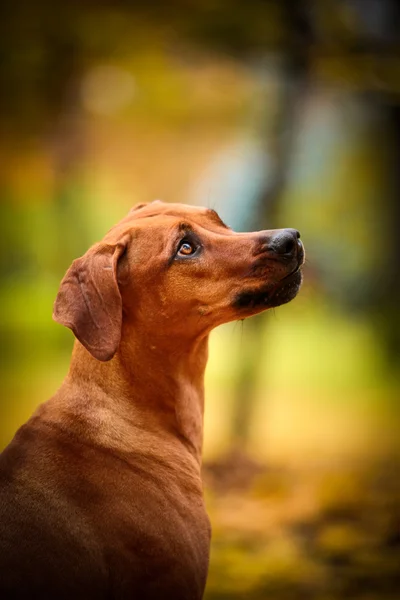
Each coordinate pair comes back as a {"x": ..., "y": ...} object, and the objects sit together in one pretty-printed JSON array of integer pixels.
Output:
[{"x": 100, "y": 491}]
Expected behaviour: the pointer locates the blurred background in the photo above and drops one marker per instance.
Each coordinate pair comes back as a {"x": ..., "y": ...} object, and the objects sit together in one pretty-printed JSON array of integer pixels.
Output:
[{"x": 276, "y": 114}]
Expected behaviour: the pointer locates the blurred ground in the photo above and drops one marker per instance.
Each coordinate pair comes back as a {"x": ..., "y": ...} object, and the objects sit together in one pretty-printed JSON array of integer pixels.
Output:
[{"x": 306, "y": 533}]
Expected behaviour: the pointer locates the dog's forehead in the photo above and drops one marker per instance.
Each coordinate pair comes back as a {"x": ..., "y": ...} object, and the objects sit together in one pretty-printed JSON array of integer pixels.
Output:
[
  {"x": 158, "y": 208},
  {"x": 161, "y": 214}
]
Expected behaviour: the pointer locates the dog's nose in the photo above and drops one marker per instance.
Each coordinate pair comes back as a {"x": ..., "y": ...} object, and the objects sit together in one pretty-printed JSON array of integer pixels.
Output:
[{"x": 285, "y": 241}]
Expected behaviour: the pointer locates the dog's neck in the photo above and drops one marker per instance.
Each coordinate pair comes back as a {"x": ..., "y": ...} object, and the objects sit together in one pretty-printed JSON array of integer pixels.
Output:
[{"x": 169, "y": 389}]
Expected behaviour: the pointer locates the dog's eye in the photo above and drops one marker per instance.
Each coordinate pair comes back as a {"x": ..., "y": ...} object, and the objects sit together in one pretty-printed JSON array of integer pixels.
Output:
[{"x": 186, "y": 248}]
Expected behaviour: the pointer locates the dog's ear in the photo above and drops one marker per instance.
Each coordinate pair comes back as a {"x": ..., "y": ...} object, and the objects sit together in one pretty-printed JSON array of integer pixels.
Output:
[
  {"x": 89, "y": 301},
  {"x": 138, "y": 207},
  {"x": 144, "y": 204}
]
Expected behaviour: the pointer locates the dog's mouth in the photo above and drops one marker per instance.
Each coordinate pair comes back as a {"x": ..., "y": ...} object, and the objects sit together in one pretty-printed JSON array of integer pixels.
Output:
[
  {"x": 271, "y": 295},
  {"x": 286, "y": 289}
]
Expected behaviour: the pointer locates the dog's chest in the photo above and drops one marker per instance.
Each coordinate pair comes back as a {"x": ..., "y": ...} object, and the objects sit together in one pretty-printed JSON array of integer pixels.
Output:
[
  {"x": 155, "y": 533},
  {"x": 165, "y": 560}
]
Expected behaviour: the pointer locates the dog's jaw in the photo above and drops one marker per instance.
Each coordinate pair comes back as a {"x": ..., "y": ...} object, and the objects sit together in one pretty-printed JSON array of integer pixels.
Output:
[{"x": 253, "y": 301}]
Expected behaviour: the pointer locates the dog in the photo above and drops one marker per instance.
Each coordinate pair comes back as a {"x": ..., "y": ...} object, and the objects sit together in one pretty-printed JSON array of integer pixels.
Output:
[{"x": 100, "y": 491}]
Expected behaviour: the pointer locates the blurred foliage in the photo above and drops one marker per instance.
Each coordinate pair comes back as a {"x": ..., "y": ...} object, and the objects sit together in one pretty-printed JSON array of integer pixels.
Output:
[
  {"x": 46, "y": 47},
  {"x": 275, "y": 113}
]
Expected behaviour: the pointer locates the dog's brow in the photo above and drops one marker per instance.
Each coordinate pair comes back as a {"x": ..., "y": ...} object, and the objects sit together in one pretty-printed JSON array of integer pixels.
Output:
[{"x": 185, "y": 227}]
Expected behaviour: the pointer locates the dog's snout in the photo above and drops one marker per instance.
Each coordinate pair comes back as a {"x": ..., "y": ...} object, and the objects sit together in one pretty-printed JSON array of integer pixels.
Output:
[{"x": 285, "y": 241}]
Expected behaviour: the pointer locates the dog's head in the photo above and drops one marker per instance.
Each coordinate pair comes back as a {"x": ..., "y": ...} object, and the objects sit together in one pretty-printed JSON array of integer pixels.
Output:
[{"x": 175, "y": 270}]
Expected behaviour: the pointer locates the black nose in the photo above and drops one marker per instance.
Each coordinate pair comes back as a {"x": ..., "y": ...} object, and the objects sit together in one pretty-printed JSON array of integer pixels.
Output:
[{"x": 285, "y": 241}]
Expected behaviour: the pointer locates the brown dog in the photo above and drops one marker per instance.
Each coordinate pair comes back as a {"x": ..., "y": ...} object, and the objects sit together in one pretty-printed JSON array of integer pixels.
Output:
[{"x": 100, "y": 492}]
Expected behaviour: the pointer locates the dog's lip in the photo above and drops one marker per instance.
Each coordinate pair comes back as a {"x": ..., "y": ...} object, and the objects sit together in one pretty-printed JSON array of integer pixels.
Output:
[
  {"x": 300, "y": 263},
  {"x": 267, "y": 296},
  {"x": 287, "y": 279},
  {"x": 296, "y": 270},
  {"x": 292, "y": 273},
  {"x": 284, "y": 284}
]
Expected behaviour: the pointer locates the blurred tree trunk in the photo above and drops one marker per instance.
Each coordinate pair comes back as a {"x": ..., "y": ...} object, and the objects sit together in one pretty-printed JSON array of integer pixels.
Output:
[
  {"x": 387, "y": 308},
  {"x": 379, "y": 37},
  {"x": 376, "y": 35},
  {"x": 279, "y": 137},
  {"x": 67, "y": 147},
  {"x": 40, "y": 73}
]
